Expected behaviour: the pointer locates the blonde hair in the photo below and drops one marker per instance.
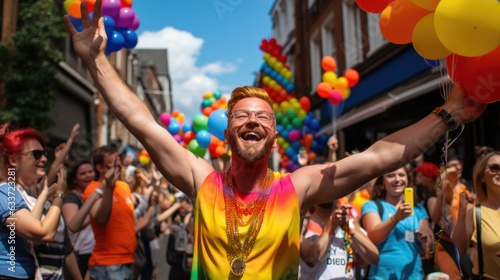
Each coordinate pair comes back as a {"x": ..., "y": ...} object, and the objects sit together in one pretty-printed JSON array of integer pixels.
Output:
[
  {"x": 478, "y": 174},
  {"x": 240, "y": 93}
]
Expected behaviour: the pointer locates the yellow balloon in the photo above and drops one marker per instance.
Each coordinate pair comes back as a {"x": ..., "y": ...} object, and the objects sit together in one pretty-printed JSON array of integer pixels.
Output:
[
  {"x": 341, "y": 84},
  {"x": 425, "y": 40},
  {"x": 468, "y": 28},
  {"x": 330, "y": 78},
  {"x": 345, "y": 93},
  {"x": 426, "y": 4},
  {"x": 67, "y": 3}
]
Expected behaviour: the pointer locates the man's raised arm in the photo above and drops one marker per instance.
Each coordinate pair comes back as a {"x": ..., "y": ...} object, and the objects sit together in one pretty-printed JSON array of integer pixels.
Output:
[{"x": 175, "y": 163}]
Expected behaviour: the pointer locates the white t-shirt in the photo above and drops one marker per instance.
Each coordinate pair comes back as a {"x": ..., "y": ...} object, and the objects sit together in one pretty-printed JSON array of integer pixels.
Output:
[{"x": 333, "y": 265}]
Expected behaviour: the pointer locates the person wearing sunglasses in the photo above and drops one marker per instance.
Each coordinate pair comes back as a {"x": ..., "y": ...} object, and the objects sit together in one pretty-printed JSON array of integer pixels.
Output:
[
  {"x": 23, "y": 163},
  {"x": 249, "y": 201},
  {"x": 486, "y": 178}
]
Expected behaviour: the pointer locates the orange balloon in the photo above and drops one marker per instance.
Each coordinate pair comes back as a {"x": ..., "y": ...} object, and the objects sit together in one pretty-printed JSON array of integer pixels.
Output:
[
  {"x": 305, "y": 103},
  {"x": 324, "y": 89},
  {"x": 398, "y": 19},
  {"x": 207, "y": 111},
  {"x": 328, "y": 63},
  {"x": 311, "y": 157},
  {"x": 352, "y": 77},
  {"x": 74, "y": 10}
]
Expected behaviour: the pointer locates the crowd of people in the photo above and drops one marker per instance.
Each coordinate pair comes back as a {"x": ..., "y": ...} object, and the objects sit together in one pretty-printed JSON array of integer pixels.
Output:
[{"x": 99, "y": 217}]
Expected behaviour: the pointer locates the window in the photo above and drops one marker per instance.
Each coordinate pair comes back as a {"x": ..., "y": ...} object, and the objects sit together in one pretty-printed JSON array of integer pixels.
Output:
[
  {"x": 316, "y": 71},
  {"x": 375, "y": 38},
  {"x": 329, "y": 45},
  {"x": 353, "y": 46}
]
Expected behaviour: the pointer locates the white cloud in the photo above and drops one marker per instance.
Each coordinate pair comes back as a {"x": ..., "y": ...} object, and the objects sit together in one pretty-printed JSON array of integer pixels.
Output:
[{"x": 189, "y": 81}]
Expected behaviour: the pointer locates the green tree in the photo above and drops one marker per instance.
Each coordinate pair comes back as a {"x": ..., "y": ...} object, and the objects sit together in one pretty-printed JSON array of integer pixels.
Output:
[{"x": 29, "y": 64}]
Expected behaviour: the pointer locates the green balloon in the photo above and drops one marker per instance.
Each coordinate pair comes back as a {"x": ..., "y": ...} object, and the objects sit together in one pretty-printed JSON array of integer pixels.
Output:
[
  {"x": 200, "y": 122},
  {"x": 195, "y": 148},
  {"x": 297, "y": 123}
]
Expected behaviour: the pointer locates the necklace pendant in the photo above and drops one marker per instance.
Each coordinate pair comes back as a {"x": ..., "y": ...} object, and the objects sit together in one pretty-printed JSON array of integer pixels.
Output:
[{"x": 238, "y": 266}]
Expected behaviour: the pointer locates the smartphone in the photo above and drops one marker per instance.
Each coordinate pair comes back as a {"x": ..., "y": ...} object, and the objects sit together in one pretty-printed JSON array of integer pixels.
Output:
[{"x": 408, "y": 192}]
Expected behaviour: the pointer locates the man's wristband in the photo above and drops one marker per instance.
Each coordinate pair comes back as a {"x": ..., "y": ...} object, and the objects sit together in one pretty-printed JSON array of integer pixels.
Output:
[{"x": 452, "y": 124}]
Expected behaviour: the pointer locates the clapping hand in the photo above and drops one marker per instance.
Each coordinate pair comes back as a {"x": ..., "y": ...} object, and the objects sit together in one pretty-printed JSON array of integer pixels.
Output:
[
  {"x": 340, "y": 216},
  {"x": 112, "y": 175}
]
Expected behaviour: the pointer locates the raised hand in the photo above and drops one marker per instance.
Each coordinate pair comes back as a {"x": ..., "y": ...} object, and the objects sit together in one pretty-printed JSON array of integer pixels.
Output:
[
  {"x": 90, "y": 43},
  {"x": 463, "y": 108},
  {"x": 333, "y": 143},
  {"x": 74, "y": 132}
]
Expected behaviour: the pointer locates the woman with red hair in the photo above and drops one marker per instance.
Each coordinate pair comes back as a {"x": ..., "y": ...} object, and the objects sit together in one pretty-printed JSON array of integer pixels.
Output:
[{"x": 23, "y": 163}]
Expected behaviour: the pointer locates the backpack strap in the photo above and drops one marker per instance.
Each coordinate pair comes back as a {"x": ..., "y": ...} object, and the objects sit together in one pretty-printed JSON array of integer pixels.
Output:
[
  {"x": 380, "y": 208},
  {"x": 479, "y": 247}
]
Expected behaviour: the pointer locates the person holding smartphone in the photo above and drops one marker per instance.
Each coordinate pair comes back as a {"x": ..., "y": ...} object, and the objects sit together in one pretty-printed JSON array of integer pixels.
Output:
[{"x": 398, "y": 231}]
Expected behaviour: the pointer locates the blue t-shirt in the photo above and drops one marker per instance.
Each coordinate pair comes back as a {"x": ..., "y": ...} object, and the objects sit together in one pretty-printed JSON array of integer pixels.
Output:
[
  {"x": 16, "y": 259},
  {"x": 399, "y": 259}
]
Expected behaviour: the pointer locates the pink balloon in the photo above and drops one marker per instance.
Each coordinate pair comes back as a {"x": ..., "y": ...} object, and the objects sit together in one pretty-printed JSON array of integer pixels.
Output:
[
  {"x": 135, "y": 23},
  {"x": 165, "y": 118},
  {"x": 111, "y": 8},
  {"x": 335, "y": 97},
  {"x": 294, "y": 135},
  {"x": 125, "y": 18}
]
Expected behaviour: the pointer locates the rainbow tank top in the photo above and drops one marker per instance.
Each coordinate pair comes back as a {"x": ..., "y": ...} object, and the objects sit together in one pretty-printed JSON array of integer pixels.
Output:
[{"x": 275, "y": 254}]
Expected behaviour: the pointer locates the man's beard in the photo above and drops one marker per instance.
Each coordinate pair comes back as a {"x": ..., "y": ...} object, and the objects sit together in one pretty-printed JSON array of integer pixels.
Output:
[{"x": 251, "y": 153}]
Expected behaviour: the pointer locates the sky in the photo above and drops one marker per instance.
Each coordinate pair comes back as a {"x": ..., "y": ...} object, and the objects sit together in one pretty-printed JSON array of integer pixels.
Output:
[{"x": 212, "y": 44}]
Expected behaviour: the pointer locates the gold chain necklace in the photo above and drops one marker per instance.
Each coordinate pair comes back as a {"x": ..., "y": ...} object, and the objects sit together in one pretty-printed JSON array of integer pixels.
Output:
[{"x": 238, "y": 252}]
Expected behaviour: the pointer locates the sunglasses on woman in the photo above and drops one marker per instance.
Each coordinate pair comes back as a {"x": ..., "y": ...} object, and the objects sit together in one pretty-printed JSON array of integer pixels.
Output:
[
  {"x": 494, "y": 168},
  {"x": 37, "y": 154}
]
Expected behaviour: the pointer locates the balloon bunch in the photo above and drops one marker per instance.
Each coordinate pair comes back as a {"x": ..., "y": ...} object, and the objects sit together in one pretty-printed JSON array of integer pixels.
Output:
[
  {"x": 120, "y": 21},
  {"x": 196, "y": 136},
  {"x": 144, "y": 158},
  {"x": 212, "y": 101},
  {"x": 464, "y": 32},
  {"x": 335, "y": 88},
  {"x": 297, "y": 126}
]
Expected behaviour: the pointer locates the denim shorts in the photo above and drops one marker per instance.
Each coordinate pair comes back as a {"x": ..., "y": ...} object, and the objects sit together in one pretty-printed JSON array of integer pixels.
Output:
[{"x": 111, "y": 272}]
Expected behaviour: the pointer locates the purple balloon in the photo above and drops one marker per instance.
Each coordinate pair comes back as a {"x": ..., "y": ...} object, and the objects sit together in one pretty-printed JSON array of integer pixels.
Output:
[
  {"x": 135, "y": 23},
  {"x": 111, "y": 8},
  {"x": 125, "y": 18}
]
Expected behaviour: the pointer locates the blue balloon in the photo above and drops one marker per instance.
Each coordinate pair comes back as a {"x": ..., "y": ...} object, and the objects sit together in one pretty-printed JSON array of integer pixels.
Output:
[
  {"x": 296, "y": 145},
  {"x": 217, "y": 123},
  {"x": 130, "y": 39},
  {"x": 77, "y": 23},
  {"x": 109, "y": 25},
  {"x": 115, "y": 42},
  {"x": 173, "y": 127},
  {"x": 186, "y": 127},
  {"x": 203, "y": 138}
]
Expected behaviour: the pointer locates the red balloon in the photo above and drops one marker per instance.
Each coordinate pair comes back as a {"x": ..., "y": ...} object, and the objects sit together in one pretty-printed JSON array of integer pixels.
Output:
[
  {"x": 305, "y": 103},
  {"x": 479, "y": 75},
  {"x": 373, "y": 6}
]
